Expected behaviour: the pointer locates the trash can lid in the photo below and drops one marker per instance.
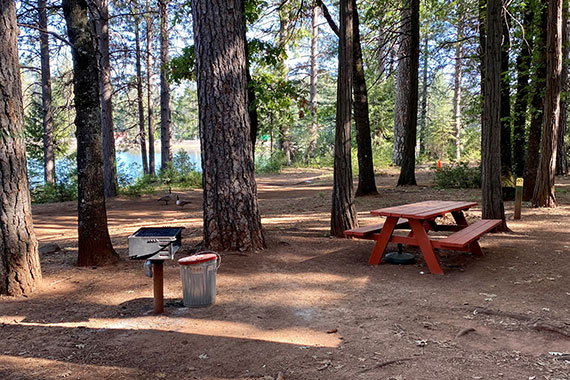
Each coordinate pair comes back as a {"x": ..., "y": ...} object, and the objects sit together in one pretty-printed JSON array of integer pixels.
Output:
[{"x": 197, "y": 259}]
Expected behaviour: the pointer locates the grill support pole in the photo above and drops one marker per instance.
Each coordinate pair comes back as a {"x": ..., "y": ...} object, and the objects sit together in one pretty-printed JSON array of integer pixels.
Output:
[{"x": 158, "y": 285}]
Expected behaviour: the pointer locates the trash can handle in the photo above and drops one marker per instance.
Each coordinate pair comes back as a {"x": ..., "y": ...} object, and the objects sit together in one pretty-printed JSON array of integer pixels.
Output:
[{"x": 219, "y": 257}]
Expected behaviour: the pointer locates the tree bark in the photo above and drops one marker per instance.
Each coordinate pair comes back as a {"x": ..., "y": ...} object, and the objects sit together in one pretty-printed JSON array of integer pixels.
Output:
[
  {"x": 231, "y": 214},
  {"x": 506, "y": 153},
  {"x": 561, "y": 151},
  {"x": 140, "y": 105},
  {"x": 149, "y": 92},
  {"x": 423, "y": 110},
  {"x": 544, "y": 192},
  {"x": 343, "y": 215},
  {"x": 165, "y": 113},
  {"x": 457, "y": 82},
  {"x": 20, "y": 271},
  {"x": 408, "y": 167},
  {"x": 49, "y": 156},
  {"x": 366, "y": 182},
  {"x": 521, "y": 101},
  {"x": 94, "y": 243},
  {"x": 106, "y": 93},
  {"x": 492, "y": 200},
  {"x": 537, "y": 107},
  {"x": 482, "y": 47},
  {"x": 314, "y": 128}
]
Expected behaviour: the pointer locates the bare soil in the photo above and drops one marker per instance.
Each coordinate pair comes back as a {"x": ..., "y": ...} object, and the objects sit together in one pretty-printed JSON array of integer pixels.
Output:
[{"x": 307, "y": 307}]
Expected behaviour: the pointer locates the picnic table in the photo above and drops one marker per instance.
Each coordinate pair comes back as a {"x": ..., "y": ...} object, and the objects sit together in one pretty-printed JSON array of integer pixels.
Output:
[{"x": 420, "y": 218}]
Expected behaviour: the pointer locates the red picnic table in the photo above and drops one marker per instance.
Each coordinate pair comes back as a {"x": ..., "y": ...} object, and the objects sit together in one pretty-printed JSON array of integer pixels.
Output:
[{"x": 420, "y": 218}]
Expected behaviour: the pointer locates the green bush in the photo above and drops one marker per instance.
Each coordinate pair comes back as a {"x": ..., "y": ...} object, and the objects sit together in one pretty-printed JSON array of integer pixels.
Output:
[
  {"x": 458, "y": 176},
  {"x": 271, "y": 164},
  {"x": 64, "y": 188}
]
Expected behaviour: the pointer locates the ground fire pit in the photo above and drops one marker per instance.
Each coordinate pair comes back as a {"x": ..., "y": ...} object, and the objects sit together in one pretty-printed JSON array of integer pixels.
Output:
[{"x": 156, "y": 244}]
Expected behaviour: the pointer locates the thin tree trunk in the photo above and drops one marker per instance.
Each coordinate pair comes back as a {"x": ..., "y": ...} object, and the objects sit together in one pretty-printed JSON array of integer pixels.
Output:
[
  {"x": 165, "y": 113},
  {"x": 49, "y": 156},
  {"x": 408, "y": 168},
  {"x": 366, "y": 182},
  {"x": 231, "y": 214},
  {"x": 561, "y": 152},
  {"x": 106, "y": 93},
  {"x": 423, "y": 112},
  {"x": 314, "y": 128},
  {"x": 343, "y": 215},
  {"x": 521, "y": 101},
  {"x": 20, "y": 271},
  {"x": 457, "y": 82},
  {"x": 492, "y": 200},
  {"x": 94, "y": 243},
  {"x": 482, "y": 47},
  {"x": 149, "y": 93},
  {"x": 506, "y": 153},
  {"x": 544, "y": 192},
  {"x": 537, "y": 107},
  {"x": 142, "y": 129}
]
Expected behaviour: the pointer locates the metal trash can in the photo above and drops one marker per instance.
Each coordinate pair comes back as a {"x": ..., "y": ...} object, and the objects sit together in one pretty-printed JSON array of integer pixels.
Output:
[{"x": 198, "y": 274}]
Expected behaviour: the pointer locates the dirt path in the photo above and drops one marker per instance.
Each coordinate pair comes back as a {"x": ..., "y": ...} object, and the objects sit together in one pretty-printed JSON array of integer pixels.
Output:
[{"x": 309, "y": 306}]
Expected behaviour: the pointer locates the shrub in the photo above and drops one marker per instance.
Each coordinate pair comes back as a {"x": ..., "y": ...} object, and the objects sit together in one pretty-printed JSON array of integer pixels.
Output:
[
  {"x": 458, "y": 176},
  {"x": 272, "y": 164}
]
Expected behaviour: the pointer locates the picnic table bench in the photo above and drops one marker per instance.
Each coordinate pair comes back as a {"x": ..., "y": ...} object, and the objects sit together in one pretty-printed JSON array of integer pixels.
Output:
[{"x": 420, "y": 219}]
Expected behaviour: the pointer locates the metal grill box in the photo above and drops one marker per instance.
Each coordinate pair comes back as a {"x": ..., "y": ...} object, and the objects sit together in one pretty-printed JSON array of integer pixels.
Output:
[{"x": 155, "y": 243}]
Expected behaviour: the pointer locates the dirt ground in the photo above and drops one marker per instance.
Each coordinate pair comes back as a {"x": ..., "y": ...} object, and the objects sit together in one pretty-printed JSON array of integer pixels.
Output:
[{"x": 308, "y": 307}]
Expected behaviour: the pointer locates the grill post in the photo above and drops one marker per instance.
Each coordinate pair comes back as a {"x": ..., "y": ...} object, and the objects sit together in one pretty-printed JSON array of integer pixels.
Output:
[{"x": 158, "y": 285}]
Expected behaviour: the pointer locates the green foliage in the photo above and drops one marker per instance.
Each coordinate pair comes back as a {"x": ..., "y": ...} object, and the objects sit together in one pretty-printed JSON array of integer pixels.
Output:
[
  {"x": 269, "y": 164},
  {"x": 183, "y": 66},
  {"x": 458, "y": 176},
  {"x": 65, "y": 187}
]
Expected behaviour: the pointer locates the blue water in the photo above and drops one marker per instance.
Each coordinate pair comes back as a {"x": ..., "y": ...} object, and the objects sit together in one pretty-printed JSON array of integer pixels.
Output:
[{"x": 131, "y": 161}]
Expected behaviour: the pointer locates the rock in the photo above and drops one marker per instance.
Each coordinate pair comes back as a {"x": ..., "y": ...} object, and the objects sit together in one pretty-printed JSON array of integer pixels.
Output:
[{"x": 50, "y": 248}]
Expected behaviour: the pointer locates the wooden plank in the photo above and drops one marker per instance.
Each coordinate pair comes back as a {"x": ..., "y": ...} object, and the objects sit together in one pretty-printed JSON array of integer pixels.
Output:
[
  {"x": 424, "y": 210},
  {"x": 469, "y": 234},
  {"x": 367, "y": 231}
]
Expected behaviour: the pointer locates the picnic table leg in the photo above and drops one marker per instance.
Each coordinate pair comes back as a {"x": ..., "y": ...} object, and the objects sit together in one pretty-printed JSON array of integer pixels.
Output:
[
  {"x": 475, "y": 248},
  {"x": 459, "y": 218},
  {"x": 383, "y": 240},
  {"x": 426, "y": 247}
]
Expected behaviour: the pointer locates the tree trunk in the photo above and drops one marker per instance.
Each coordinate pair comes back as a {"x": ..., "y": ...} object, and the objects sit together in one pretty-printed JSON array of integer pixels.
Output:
[
  {"x": 544, "y": 192},
  {"x": 408, "y": 168},
  {"x": 537, "y": 107},
  {"x": 366, "y": 182},
  {"x": 521, "y": 100},
  {"x": 457, "y": 82},
  {"x": 165, "y": 114},
  {"x": 142, "y": 131},
  {"x": 314, "y": 128},
  {"x": 506, "y": 153},
  {"x": 231, "y": 214},
  {"x": 251, "y": 109},
  {"x": 106, "y": 93},
  {"x": 482, "y": 47},
  {"x": 401, "y": 112},
  {"x": 343, "y": 216},
  {"x": 492, "y": 200},
  {"x": 149, "y": 93},
  {"x": 49, "y": 157},
  {"x": 423, "y": 112},
  {"x": 284, "y": 138},
  {"x": 561, "y": 152},
  {"x": 20, "y": 271},
  {"x": 94, "y": 243}
]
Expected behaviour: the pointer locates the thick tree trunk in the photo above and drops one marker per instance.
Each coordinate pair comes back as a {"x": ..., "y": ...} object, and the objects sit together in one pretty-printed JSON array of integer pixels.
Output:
[
  {"x": 106, "y": 93},
  {"x": 165, "y": 114},
  {"x": 423, "y": 110},
  {"x": 149, "y": 92},
  {"x": 343, "y": 215},
  {"x": 561, "y": 152},
  {"x": 544, "y": 192},
  {"x": 231, "y": 214},
  {"x": 537, "y": 107},
  {"x": 366, "y": 182},
  {"x": 142, "y": 128},
  {"x": 506, "y": 153},
  {"x": 94, "y": 243},
  {"x": 408, "y": 167},
  {"x": 20, "y": 271},
  {"x": 314, "y": 128},
  {"x": 457, "y": 83},
  {"x": 521, "y": 101},
  {"x": 492, "y": 200},
  {"x": 401, "y": 112},
  {"x": 49, "y": 156}
]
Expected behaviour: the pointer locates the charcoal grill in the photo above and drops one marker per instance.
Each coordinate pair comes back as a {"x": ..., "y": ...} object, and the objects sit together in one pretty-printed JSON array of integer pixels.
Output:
[{"x": 155, "y": 243}]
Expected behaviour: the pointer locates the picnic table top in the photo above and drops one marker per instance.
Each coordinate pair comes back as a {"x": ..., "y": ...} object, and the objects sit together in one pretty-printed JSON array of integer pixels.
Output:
[{"x": 423, "y": 210}]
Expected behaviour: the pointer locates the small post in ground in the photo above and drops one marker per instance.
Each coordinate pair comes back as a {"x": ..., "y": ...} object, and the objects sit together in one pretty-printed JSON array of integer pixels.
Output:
[
  {"x": 518, "y": 197},
  {"x": 158, "y": 285}
]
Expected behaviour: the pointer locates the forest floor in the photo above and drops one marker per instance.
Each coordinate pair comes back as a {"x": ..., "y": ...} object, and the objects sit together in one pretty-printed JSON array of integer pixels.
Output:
[{"x": 307, "y": 307}]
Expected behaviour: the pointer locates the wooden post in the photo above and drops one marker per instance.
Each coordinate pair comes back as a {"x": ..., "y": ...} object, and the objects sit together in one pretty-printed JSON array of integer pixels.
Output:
[
  {"x": 158, "y": 285},
  {"x": 518, "y": 197}
]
